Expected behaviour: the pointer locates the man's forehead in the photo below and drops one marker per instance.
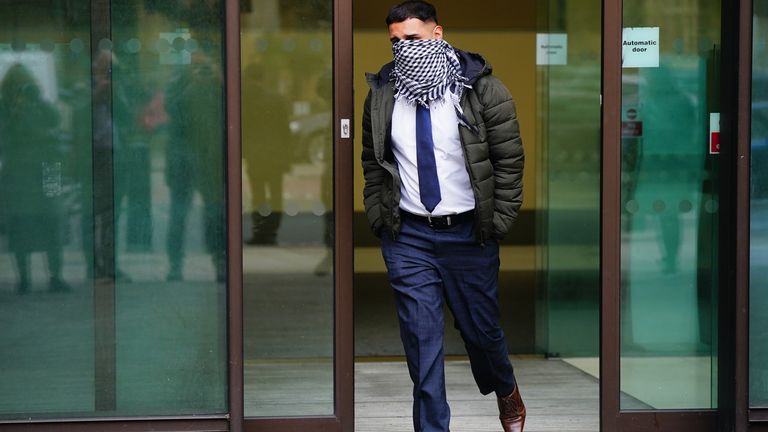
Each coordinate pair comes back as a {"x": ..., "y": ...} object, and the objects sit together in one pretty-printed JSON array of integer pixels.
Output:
[
  {"x": 410, "y": 23},
  {"x": 411, "y": 26}
]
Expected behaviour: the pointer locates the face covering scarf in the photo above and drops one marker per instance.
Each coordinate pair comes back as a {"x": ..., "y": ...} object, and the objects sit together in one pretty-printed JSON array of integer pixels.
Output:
[{"x": 424, "y": 70}]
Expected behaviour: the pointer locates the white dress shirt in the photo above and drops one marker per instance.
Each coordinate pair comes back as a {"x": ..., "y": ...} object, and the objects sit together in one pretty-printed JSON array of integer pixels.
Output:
[{"x": 455, "y": 187}]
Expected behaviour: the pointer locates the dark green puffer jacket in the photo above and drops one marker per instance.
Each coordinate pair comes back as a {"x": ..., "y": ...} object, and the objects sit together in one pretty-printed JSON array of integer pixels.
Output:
[{"x": 493, "y": 151}]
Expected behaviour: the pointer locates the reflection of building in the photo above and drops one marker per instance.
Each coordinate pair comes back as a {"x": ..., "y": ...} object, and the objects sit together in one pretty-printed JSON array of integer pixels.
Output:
[{"x": 144, "y": 186}]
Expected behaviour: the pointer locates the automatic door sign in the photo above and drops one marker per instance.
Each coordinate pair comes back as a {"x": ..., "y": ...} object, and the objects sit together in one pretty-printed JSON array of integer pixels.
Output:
[
  {"x": 714, "y": 133},
  {"x": 551, "y": 49},
  {"x": 640, "y": 47},
  {"x": 631, "y": 125}
]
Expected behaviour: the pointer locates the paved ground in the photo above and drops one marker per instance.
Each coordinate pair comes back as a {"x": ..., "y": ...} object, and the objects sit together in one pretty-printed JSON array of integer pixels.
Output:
[{"x": 558, "y": 397}]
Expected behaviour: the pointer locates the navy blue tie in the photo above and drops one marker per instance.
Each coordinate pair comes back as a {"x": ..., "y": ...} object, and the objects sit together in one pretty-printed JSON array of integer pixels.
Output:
[{"x": 429, "y": 185}]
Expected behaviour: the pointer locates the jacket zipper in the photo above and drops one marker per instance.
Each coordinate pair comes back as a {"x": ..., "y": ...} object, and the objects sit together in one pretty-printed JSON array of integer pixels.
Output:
[{"x": 479, "y": 230}]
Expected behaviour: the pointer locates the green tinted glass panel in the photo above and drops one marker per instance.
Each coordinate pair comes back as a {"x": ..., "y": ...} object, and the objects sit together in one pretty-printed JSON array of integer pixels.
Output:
[
  {"x": 569, "y": 111},
  {"x": 287, "y": 147},
  {"x": 758, "y": 328},
  {"x": 47, "y": 337},
  {"x": 112, "y": 236},
  {"x": 169, "y": 203},
  {"x": 669, "y": 205}
]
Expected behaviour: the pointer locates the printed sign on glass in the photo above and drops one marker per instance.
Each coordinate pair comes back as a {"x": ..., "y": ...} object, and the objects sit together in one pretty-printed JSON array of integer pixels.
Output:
[{"x": 640, "y": 47}]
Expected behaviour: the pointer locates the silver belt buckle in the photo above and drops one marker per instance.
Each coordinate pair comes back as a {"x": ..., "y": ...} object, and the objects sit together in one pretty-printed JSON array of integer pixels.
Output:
[{"x": 446, "y": 218}]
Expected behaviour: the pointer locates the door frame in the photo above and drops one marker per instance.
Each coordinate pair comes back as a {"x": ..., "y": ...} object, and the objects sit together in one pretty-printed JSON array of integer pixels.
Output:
[
  {"x": 733, "y": 413},
  {"x": 744, "y": 416},
  {"x": 342, "y": 419}
]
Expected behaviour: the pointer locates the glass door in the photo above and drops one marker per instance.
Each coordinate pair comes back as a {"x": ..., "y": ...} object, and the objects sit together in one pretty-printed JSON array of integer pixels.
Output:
[
  {"x": 661, "y": 120},
  {"x": 123, "y": 256},
  {"x": 295, "y": 119},
  {"x": 112, "y": 276},
  {"x": 669, "y": 202},
  {"x": 758, "y": 230}
]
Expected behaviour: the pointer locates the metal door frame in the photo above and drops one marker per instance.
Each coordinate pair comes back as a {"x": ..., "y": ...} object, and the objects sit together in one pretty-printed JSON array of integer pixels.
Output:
[
  {"x": 739, "y": 81},
  {"x": 342, "y": 420},
  {"x": 733, "y": 413}
]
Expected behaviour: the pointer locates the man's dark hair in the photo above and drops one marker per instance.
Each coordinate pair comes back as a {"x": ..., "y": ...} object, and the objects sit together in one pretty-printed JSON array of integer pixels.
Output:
[{"x": 412, "y": 9}]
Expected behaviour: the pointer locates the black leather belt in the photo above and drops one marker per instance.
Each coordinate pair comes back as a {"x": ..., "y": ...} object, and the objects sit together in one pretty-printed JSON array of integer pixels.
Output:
[{"x": 441, "y": 222}]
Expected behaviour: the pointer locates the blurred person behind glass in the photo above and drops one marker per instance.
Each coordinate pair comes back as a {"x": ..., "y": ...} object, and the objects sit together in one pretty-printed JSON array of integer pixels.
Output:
[
  {"x": 194, "y": 160},
  {"x": 267, "y": 150},
  {"x": 324, "y": 89},
  {"x": 31, "y": 176},
  {"x": 110, "y": 125}
]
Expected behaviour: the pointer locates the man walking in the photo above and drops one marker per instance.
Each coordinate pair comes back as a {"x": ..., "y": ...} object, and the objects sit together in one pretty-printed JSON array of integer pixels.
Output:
[{"x": 443, "y": 166}]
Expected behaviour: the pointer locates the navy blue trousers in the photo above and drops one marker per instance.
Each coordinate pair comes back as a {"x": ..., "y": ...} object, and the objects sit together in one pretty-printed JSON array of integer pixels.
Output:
[{"x": 428, "y": 267}]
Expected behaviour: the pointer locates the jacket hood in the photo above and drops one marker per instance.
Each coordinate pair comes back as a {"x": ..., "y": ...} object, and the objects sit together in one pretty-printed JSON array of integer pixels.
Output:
[{"x": 473, "y": 66}]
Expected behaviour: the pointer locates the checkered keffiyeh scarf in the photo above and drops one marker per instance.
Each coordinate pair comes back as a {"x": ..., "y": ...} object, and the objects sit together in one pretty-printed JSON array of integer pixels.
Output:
[{"x": 425, "y": 69}]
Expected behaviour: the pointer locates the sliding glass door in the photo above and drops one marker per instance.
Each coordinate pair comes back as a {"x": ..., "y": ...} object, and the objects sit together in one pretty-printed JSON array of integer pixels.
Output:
[
  {"x": 661, "y": 215},
  {"x": 143, "y": 285},
  {"x": 113, "y": 242}
]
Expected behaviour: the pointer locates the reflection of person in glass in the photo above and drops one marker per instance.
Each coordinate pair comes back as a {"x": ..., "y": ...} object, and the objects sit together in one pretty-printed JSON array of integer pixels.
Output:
[
  {"x": 31, "y": 176},
  {"x": 194, "y": 160},
  {"x": 108, "y": 132},
  {"x": 267, "y": 151},
  {"x": 443, "y": 166},
  {"x": 669, "y": 163},
  {"x": 324, "y": 89},
  {"x": 139, "y": 113}
]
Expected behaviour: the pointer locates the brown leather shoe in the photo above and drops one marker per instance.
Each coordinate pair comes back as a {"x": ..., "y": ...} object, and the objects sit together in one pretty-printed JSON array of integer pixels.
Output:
[{"x": 512, "y": 411}]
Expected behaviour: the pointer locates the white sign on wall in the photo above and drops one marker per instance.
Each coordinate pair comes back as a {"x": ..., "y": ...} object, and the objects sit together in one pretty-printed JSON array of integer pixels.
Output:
[
  {"x": 640, "y": 47},
  {"x": 551, "y": 49}
]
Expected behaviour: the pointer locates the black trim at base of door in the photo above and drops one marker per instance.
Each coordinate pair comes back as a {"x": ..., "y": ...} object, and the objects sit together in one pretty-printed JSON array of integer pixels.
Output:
[
  {"x": 314, "y": 424},
  {"x": 678, "y": 421},
  {"x": 155, "y": 425},
  {"x": 759, "y": 415}
]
